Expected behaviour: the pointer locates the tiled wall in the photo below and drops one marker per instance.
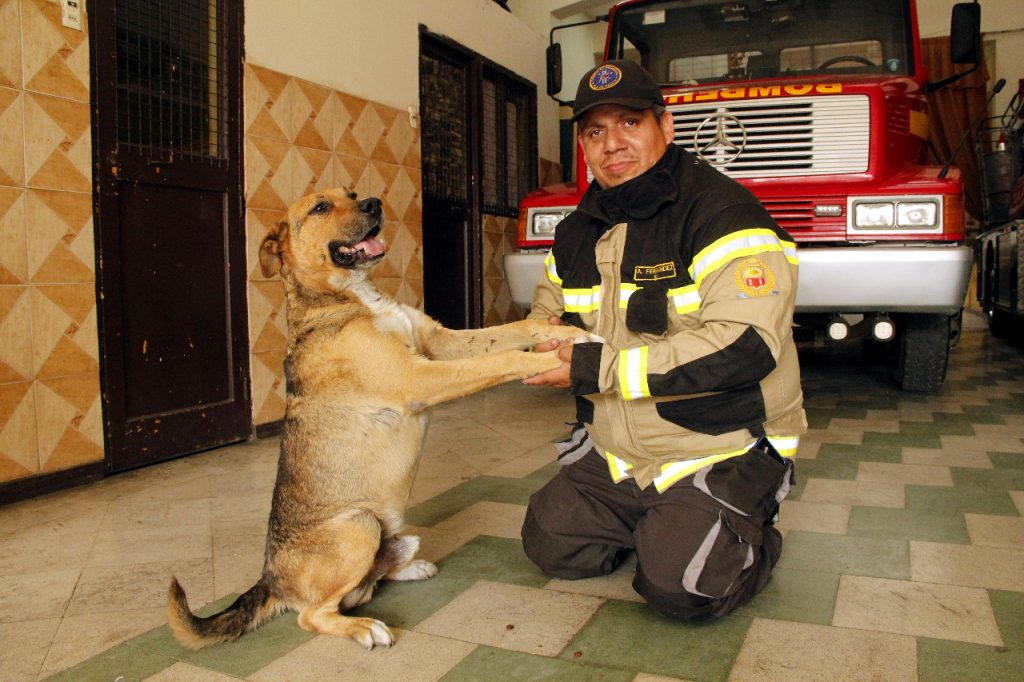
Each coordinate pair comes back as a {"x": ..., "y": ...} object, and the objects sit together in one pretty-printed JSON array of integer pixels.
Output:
[{"x": 50, "y": 415}]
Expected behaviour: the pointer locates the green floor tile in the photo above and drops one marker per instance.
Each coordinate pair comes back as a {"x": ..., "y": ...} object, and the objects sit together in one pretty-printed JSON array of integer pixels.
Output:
[
  {"x": 487, "y": 663},
  {"x": 908, "y": 524},
  {"x": 631, "y": 636},
  {"x": 993, "y": 479},
  {"x": 842, "y": 554},
  {"x": 123, "y": 663},
  {"x": 928, "y": 499},
  {"x": 851, "y": 454},
  {"x": 941, "y": 660},
  {"x": 499, "y": 559},
  {"x": 834, "y": 468},
  {"x": 1007, "y": 460},
  {"x": 406, "y": 604},
  {"x": 795, "y": 595},
  {"x": 240, "y": 658},
  {"x": 481, "y": 488},
  {"x": 912, "y": 439}
]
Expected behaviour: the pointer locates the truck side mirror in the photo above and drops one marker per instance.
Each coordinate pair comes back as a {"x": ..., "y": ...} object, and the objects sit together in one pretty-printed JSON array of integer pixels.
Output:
[
  {"x": 554, "y": 58},
  {"x": 965, "y": 33}
]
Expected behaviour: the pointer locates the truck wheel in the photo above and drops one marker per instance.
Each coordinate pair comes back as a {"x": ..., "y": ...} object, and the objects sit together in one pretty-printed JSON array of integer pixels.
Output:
[{"x": 924, "y": 352}]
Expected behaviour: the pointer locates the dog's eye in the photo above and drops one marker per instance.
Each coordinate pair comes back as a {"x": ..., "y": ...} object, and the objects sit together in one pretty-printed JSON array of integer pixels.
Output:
[{"x": 322, "y": 206}]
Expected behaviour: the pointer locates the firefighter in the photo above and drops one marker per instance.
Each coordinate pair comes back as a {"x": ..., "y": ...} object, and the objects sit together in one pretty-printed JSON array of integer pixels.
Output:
[{"x": 690, "y": 410}]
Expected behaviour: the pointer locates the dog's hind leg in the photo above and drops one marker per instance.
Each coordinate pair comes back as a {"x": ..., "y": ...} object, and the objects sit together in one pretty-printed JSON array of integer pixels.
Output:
[
  {"x": 398, "y": 551},
  {"x": 325, "y": 619}
]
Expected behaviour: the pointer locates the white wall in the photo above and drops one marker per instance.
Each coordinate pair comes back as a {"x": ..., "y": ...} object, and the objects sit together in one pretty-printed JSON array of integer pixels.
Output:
[
  {"x": 1001, "y": 21},
  {"x": 371, "y": 48}
]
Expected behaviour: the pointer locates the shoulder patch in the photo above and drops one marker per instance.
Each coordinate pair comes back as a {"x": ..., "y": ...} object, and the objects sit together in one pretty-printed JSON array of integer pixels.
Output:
[{"x": 754, "y": 278}]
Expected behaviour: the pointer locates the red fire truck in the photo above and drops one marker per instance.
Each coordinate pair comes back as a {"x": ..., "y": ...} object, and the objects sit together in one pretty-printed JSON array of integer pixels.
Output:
[{"x": 818, "y": 107}]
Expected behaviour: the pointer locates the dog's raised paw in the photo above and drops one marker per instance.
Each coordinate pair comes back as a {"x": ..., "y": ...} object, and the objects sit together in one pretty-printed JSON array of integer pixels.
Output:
[{"x": 418, "y": 569}]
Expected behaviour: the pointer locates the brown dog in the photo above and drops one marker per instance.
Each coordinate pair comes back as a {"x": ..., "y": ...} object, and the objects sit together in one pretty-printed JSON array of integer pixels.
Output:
[{"x": 361, "y": 370}]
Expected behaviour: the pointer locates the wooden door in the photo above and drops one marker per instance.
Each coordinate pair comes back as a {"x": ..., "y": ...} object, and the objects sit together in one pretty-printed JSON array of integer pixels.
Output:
[{"x": 170, "y": 235}]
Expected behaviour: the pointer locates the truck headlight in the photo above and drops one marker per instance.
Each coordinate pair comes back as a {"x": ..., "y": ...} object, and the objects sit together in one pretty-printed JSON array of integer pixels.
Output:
[
  {"x": 896, "y": 215},
  {"x": 877, "y": 214},
  {"x": 544, "y": 222},
  {"x": 916, "y": 214}
]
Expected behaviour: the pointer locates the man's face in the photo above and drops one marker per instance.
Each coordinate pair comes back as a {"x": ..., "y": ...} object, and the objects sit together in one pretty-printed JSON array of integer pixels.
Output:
[{"x": 620, "y": 144}]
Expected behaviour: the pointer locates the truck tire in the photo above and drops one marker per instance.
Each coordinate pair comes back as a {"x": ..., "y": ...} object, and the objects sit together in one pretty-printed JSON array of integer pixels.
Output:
[{"x": 924, "y": 352}]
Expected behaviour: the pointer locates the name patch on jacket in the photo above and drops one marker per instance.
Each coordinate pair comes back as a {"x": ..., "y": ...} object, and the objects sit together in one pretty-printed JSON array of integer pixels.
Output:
[
  {"x": 650, "y": 273},
  {"x": 754, "y": 278}
]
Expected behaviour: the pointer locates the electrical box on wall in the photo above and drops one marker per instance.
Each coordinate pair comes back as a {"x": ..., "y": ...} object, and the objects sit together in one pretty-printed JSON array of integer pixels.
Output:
[{"x": 71, "y": 14}]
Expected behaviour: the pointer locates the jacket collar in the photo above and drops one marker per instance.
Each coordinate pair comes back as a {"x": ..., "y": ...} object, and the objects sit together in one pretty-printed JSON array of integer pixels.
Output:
[{"x": 638, "y": 198}]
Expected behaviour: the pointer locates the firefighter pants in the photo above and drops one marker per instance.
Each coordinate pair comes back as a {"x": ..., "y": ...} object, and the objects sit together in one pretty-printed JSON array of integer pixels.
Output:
[{"x": 704, "y": 546}]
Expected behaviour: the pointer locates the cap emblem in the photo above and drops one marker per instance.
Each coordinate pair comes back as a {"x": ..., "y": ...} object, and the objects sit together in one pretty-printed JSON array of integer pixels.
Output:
[{"x": 605, "y": 77}]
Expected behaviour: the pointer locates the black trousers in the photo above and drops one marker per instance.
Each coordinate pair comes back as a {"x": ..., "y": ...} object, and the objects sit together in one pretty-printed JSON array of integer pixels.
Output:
[{"x": 704, "y": 546}]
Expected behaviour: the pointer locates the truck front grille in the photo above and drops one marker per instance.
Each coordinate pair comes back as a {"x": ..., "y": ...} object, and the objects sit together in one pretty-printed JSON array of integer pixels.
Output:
[{"x": 778, "y": 137}]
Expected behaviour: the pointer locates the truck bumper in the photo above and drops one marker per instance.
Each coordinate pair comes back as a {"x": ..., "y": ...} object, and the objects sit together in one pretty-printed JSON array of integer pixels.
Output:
[
  {"x": 857, "y": 279},
  {"x": 920, "y": 279}
]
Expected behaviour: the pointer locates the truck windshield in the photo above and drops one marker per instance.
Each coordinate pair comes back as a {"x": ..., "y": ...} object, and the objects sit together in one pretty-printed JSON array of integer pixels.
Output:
[{"x": 707, "y": 41}]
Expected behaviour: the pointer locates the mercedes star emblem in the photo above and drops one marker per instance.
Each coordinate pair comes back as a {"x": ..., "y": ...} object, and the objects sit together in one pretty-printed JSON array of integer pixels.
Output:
[{"x": 728, "y": 141}]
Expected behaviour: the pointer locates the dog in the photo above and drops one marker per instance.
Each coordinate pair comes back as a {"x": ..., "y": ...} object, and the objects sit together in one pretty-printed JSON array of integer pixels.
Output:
[{"x": 361, "y": 371}]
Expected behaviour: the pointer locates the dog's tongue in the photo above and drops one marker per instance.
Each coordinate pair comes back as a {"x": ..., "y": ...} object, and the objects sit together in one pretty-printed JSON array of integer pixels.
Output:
[{"x": 372, "y": 246}]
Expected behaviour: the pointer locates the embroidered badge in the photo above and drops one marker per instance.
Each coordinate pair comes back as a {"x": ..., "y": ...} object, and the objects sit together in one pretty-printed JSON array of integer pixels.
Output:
[
  {"x": 605, "y": 77},
  {"x": 754, "y": 278},
  {"x": 649, "y": 273}
]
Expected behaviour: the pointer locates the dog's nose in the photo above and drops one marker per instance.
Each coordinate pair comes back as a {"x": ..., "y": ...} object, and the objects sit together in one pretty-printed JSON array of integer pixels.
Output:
[{"x": 370, "y": 206}]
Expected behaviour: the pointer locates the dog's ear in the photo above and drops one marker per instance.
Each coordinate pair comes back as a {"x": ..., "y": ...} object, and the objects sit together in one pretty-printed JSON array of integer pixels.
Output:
[{"x": 270, "y": 250}]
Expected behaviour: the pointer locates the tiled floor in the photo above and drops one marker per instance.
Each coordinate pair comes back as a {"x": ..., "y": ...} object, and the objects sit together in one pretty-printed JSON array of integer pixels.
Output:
[{"x": 903, "y": 559}]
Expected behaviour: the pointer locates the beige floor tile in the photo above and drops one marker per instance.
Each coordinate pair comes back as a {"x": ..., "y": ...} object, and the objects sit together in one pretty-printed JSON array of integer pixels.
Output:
[
  {"x": 81, "y": 637},
  {"x": 51, "y": 546},
  {"x": 184, "y": 672},
  {"x": 111, "y": 589},
  {"x": 644, "y": 677},
  {"x": 890, "y": 425},
  {"x": 842, "y": 436},
  {"x": 436, "y": 544},
  {"x": 919, "y": 609},
  {"x": 794, "y": 652},
  {"x": 909, "y": 474},
  {"x": 531, "y": 433},
  {"x": 486, "y": 518},
  {"x": 818, "y": 517},
  {"x": 1000, "y": 431},
  {"x": 995, "y": 531},
  {"x": 993, "y": 441},
  {"x": 150, "y": 545},
  {"x": 1018, "y": 499},
  {"x": 142, "y": 515},
  {"x": 36, "y": 596},
  {"x": 512, "y": 617},
  {"x": 415, "y": 656},
  {"x": 237, "y": 559},
  {"x": 998, "y": 568},
  {"x": 943, "y": 458},
  {"x": 24, "y": 647},
  {"x": 526, "y": 463},
  {"x": 856, "y": 493},
  {"x": 618, "y": 585}
]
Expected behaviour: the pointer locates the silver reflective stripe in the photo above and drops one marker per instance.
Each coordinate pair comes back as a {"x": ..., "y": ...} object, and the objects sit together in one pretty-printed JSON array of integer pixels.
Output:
[
  {"x": 701, "y": 484},
  {"x": 696, "y": 566},
  {"x": 572, "y": 450}
]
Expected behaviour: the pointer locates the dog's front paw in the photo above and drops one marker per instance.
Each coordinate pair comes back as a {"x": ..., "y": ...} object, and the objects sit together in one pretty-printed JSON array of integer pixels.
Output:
[{"x": 417, "y": 569}]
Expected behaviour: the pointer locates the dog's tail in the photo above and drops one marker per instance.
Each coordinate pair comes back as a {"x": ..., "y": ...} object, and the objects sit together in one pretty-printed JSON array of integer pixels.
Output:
[{"x": 250, "y": 611}]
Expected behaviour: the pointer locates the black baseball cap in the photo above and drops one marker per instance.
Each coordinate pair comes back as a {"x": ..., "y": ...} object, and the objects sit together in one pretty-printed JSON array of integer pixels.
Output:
[{"x": 619, "y": 82}]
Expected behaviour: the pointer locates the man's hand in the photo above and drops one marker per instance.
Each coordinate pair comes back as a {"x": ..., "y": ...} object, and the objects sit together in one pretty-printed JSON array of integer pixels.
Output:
[
  {"x": 558, "y": 377},
  {"x": 550, "y": 344}
]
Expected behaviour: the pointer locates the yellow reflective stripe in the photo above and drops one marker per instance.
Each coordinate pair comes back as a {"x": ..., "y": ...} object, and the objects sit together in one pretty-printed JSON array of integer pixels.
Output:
[
  {"x": 686, "y": 299},
  {"x": 618, "y": 469},
  {"x": 549, "y": 268},
  {"x": 785, "y": 445},
  {"x": 633, "y": 373},
  {"x": 582, "y": 300},
  {"x": 674, "y": 471},
  {"x": 625, "y": 291},
  {"x": 736, "y": 245}
]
